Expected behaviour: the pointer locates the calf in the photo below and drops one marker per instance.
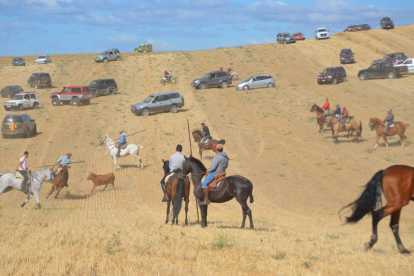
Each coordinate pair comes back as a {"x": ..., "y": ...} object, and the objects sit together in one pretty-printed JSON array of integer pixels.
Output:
[{"x": 101, "y": 180}]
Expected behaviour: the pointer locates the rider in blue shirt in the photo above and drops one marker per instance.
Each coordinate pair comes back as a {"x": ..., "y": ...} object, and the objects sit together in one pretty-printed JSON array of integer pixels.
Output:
[{"x": 121, "y": 143}]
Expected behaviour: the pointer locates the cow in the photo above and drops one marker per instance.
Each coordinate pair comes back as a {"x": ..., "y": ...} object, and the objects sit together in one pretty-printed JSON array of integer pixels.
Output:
[{"x": 101, "y": 180}]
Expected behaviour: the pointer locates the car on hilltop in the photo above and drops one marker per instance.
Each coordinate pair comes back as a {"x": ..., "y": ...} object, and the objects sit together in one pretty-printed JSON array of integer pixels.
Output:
[
  {"x": 350, "y": 28},
  {"x": 11, "y": 90},
  {"x": 213, "y": 79},
  {"x": 285, "y": 38},
  {"x": 332, "y": 75},
  {"x": 321, "y": 33},
  {"x": 362, "y": 27},
  {"x": 74, "y": 95},
  {"x": 256, "y": 81},
  {"x": 18, "y": 61},
  {"x": 20, "y": 101},
  {"x": 143, "y": 48},
  {"x": 18, "y": 124},
  {"x": 108, "y": 55},
  {"x": 43, "y": 59},
  {"x": 160, "y": 102},
  {"x": 386, "y": 23},
  {"x": 299, "y": 36}
]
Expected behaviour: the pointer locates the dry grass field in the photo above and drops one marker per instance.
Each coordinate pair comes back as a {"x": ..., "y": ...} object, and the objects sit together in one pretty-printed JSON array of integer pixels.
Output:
[{"x": 301, "y": 178}]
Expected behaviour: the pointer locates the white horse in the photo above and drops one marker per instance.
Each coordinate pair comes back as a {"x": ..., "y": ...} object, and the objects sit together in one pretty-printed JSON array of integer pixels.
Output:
[
  {"x": 131, "y": 149},
  {"x": 9, "y": 182}
]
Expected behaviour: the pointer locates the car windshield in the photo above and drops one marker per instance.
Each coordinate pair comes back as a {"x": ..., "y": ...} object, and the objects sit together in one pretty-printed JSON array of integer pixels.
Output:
[
  {"x": 347, "y": 52},
  {"x": 148, "y": 99},
  {"x": 104, "y": 53},
  {"x": 352, "y": 26},
  {"x": 18, "y": 59},
  {"x": 41, "y": 57},
  {"x": 329, "y": 71},
  {"x": 18, "y": 97},
  {"x": 322, "y": 30},
  {"x": 297, "y": 34},
  {"x": 94, "y": 83},
  {"x": 249, "y": 79},
  {"x": 16, "y": 119},
  {"x": 65, "y": 90},
  {"x": 142, "y": 45},
  {"x": 207, "y": 76}
]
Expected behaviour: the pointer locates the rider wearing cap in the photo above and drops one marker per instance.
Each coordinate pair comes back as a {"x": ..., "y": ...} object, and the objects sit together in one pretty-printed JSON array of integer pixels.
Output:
[
  {"x": 218, "y": 165},
  {"x": 326, "y": 107},
  {"x": 344, "y": 116},
  {"x": 337, "y": 111},
  {"x": 121, "y": 143},
  {"x": 389, "y": 120}
]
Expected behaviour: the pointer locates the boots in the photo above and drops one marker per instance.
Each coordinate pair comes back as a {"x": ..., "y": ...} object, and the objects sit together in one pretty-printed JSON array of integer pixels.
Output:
[
  {"x": 344, "y": 127},
  {"x": 202, "y": 147},
  {"x": 206, "y": 199},
  {"x": 164, "y": 189}
]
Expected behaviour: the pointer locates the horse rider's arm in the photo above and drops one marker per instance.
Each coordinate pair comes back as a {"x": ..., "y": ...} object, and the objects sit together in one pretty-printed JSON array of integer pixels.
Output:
[{"x": 20, "y": 166}]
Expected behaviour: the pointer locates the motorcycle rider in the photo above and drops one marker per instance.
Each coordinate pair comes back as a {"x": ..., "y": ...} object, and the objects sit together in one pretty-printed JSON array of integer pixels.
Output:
[{"x": 166, "y": 75}]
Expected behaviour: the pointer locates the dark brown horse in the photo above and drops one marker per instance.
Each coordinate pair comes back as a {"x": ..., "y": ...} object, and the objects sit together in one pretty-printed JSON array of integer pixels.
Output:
[
  {"x": 61, "y": 180},
  {"x": 320, "y": 116},
  {"x": 336, "y": 126},
  {"x": 211, "y": 145},
  {"x": 399, "y": 128},
  {"x": 178, "y": 188},
  {"x": 232, "y": 187},
  {"x": 397, "y": 184}
]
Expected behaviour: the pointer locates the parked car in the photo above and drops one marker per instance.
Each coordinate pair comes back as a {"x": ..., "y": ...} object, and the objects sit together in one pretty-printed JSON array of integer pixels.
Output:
[
  {"x": 167, "y": 101},
  {"x": 103, "y": 87},
  {"x": 20, "y": 101},
  {"x": 321, "y": 33},
  {"x": 18, "y": 61},
  {"x": 10, "y": 91},
  {"x": 213, "y": 79},
  {"x": 363, "y": 27},
  {"x": 285, "y": 38},
  {"x": 409, "y": 63},
  {"x": 332, "y": 75},
  {"x": 18, "y": 124},
  {"x": 38, "y": 80},
  {"x": 350, "y": 28},
  {"x": 108, "y": 55},
  {"x": 386, "y": 23},
  {"x": 299, "y": 36},
  {"x": 346, "y": 56},
  {"x": 42, "y": 59},
  {"x": 400, "y": 56},
  {"x": 74, "y": 95},
  {"x": 257, "y": 81},
  {"x": 382, "y": 70},
  {"x": 143, "y": 48}
]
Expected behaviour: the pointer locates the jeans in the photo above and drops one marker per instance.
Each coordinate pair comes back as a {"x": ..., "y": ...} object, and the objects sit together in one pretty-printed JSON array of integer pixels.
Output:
[
  {"x": 387, "y": 128},
  {"x": 343, "y": 122},
  {"x": 209, "y": 178},
  {"x": 204, "y": 139},
  {"x": 326, "y": 112},
  {"x": 24, "y": 173},
  {"x": 338, "y": 115},
  {"x": 163, "y": 180}
]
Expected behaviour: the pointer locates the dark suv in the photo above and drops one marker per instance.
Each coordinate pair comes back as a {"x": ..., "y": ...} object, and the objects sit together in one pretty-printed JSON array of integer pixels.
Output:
[
  {"x": 332, "y": 75},
  {"x": 213, "y": 79},
  {"x": 363, "y": 27},
  {"x": 18, "y": 124},
  {"x": 386, "y": 23},
  {"x": 346, "y": 56},
  {"x": 284, "y": 38},
  {"x": 18, "y": 61},
  {"x": 39, "y": 80},
  {"x": 389, "y": 57},
  {"x": 10, "y": 91},
  {"x": 103, "y": 86}
]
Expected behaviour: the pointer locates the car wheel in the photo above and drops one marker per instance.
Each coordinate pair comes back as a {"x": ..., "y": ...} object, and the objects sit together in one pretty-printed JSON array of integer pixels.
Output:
[
  {"x": 27, "y": 133},
  {"x": 75, "y": 101},
  {"x": 35, "y": 106},
  {"x": 95, "y": 94},
  {"x": 105, "y": 60},
  {"x": 35, "y": 130},
  {"x": 19, "y": 107},
  {"x": 344, "y": 79},
  {"x": 173, "y": 108},
  {"x": 145, "y": 112},
  {"x": 55, "y": 101},
  {"x": 118, "y": 58},
  {"x": 110, "y": 91},
  {"x": 28, "y": 84},
  {"x": 245, "y": 87},
  {"x": 270, "y": 85},
  {"x": 334, "y": 81},
  {"x": 284, "y": 42},
  {"x": 202, "y": 86},
  {"x": 223, "y": 84},
  {"x": 362, "y": 77},
  {"x": 36, "y": 86},
  {"x": 391, "y": 75}
]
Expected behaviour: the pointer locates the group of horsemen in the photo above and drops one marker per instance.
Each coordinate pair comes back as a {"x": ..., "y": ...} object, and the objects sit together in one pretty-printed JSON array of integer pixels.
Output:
[{"x": 343, "y": 115}]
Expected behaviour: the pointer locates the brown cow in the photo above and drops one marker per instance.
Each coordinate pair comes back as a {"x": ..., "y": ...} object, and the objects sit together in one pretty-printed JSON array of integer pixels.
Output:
[
  {"x": 61, "y": 180},
  {"x": 101, "y": 180}
]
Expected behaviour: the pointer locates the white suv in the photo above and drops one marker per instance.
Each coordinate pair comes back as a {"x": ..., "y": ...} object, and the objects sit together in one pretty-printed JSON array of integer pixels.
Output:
[
  {"x": 43, "y": 59},
  {"x": 20, "y": 101},
  {"x": 321, "y": 33}
]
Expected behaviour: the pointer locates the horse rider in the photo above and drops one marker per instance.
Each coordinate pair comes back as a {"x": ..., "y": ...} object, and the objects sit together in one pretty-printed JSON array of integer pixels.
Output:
[
  {"x": 24, "y": 170},
  {"x": 337, "y": 111},
  {"x": 326, "y": 106},
  {"x": 206, "y": 134},
  {"x": 64, "y": 161},
  {"x": 218, "y": 165},
  {"x": 166, "y": 75},
  {"x": 344, "y": 116},
  {"x": 176, "y": 165},
  {"x": 389, "y": 120},
  {"x": 121, "y": 142}
]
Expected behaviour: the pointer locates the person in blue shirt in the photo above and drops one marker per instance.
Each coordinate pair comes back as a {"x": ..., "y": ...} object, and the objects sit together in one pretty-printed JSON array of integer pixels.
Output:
[
  {"x": 121, "y": 143},
  {"x": 64, "y": 161}
]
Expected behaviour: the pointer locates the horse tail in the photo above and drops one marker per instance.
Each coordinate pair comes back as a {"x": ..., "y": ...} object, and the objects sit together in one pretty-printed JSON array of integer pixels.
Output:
[
  {"x": 222, "y": 142},
  {"x": 406, "y": 125},
  {"x": 141, "y": 147},
  {"x": 179, "y": 198},
  {"x": 369, "y": 200},
  {"x": 250, "y": 191},
  {"x": 360, "y": 129}
]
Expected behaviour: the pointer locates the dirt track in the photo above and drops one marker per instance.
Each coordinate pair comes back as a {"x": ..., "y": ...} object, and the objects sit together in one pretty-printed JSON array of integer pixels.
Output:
[{"x": 301, "y": 178}]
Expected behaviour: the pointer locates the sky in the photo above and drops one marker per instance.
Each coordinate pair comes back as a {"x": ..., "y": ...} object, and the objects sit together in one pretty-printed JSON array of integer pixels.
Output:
[{"x": 32, "y": 27}]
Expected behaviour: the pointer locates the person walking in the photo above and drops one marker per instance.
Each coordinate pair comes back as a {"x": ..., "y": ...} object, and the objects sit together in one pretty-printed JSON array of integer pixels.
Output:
[{"x": 24, "y": 171}]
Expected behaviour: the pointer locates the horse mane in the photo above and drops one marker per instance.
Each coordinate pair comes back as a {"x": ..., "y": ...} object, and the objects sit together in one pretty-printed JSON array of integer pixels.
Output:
[
  {"x": 378, "y": 120},
  {"x": 198, "y": 132},
  {"x": 319, "y": 109},
  {"x": 198, "y": 163}
]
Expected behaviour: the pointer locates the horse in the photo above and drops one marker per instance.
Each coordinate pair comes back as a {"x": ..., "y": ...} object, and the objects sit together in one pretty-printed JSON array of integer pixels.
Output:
[
  {"x": 320, "y": 116},
  {"x": 61, "y": 180},
  {"x": 9, "y": 182},
  {"x": 336, "y": 127},
  {"x": 397, "y": 184},
  {"x": 99, "y": 180},
  {"x": 399, "y": 128},
  {"x": 178, "y": 188},
  {"x": 211, "y": 145},
  {"x": 234, "y": 186},
  {"x": 131, "y": 149}
]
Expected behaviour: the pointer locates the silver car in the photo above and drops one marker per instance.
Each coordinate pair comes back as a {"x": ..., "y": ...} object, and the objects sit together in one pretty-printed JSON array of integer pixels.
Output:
[
  {"x": 42, "y": 59},
  {"x": 108, "y": 55},
  {"x": 160, "y": 102},
  {"x": 257, "y": 81}
]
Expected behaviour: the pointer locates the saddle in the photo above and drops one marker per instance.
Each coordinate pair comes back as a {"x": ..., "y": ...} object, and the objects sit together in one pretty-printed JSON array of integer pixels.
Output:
[
  {"x": 208, "y": 140},
  {"x": 123, "y": 147},
  {"x": 168, "y": 177},
  {"x": 20, "y": 176},
  {"x": 218, "y": 178}
]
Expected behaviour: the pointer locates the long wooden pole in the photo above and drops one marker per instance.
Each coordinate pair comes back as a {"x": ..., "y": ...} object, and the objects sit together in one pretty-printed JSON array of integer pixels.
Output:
[{"x": 191, "y": 154}]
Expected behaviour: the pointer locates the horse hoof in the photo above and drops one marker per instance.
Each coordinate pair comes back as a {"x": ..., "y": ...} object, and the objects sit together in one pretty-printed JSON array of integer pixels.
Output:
[{"x": 367, "y": 246}]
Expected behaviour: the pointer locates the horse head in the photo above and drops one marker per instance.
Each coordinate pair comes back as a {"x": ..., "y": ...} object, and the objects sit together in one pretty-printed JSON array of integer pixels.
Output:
[
  {"x": 50, "y": 174},
  {"x": 194, "y": 166},
  {"x": 313, "y": 108},
  {"x": 371, "y": 124},
  {"x": 166, "y": 166},
  {"x": 197, "y": 135},
  {"x": 103, "y": 140}
]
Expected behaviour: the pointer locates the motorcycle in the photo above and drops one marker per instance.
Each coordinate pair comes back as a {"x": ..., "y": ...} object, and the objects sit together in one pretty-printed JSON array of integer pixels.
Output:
[
  {"x": 234, "y": 75},
  {"x": 171, "y": 79}
]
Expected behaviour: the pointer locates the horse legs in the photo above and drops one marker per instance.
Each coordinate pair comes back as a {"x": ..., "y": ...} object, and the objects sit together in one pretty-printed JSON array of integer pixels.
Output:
[
  {"x": 116, "y": 165},
  {"x": 376, "y": 217},
  {"x": 395, "y": 217},
  {"x": 168, "y": 212},
  {"x": 51, "y": 191},
  {"x": 60, "y": 189},
  {"x": 29, "y": 196},
  {"x": 246, "y": 211},
  {"x": 203, "y": 211},
  {"x": 385, "y": 140},
  {"x": 186, "y": 210},
  {"x": 333, "y": 135},
  {"x": 140, "y": 165},
  {"x": 36, "y": 194},
  {"x": 402, "y": 138},
  {"x": 376, "y": 143}
]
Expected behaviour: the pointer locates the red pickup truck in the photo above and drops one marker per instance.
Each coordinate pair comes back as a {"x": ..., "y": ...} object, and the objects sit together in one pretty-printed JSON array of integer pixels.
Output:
[{"x": 73, "y": 95}]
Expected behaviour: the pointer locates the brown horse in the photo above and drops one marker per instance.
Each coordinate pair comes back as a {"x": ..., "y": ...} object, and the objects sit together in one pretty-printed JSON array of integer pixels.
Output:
[
  {"x": 178, "y": 188},
  {"x": 399, "y": 128},
  {"x": 235, "y": 186},
  {"x": 336, "y": 126},
  {"x": 61, "y": 180},
  {"x": 397, "y": 184},
  {"x": 320, "y": 116},
  {"x": 211, "y": 145}
]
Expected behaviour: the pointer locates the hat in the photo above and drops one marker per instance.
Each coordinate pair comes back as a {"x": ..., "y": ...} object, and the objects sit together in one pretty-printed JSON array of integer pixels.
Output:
[
  {"x": 337, "y": 104},
  {"x": 219, "y": 146},
  {"x": 388, "y": 110},
  {"x": 121, "y": 131},
  {"x": 343, "y": 106}
]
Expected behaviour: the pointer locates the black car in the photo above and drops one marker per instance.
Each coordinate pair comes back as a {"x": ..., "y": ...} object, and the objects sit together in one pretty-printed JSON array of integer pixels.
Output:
[
  {"x": 18, "y": 61},
  {"x": 386, "y": 23},
  {"x": 10, "y": 91},
  {"x": 284, "y": 38},
  {"x": 18, "y": 124},
  {"x": 213, "y": 79},
  {"x": 363, "y": 27},
  {"x": 383, "y": 69},
  {"x": 39, "y": 80},
  {"x": 103, "y": 87},
  {"x": 389, "y": 57}
]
